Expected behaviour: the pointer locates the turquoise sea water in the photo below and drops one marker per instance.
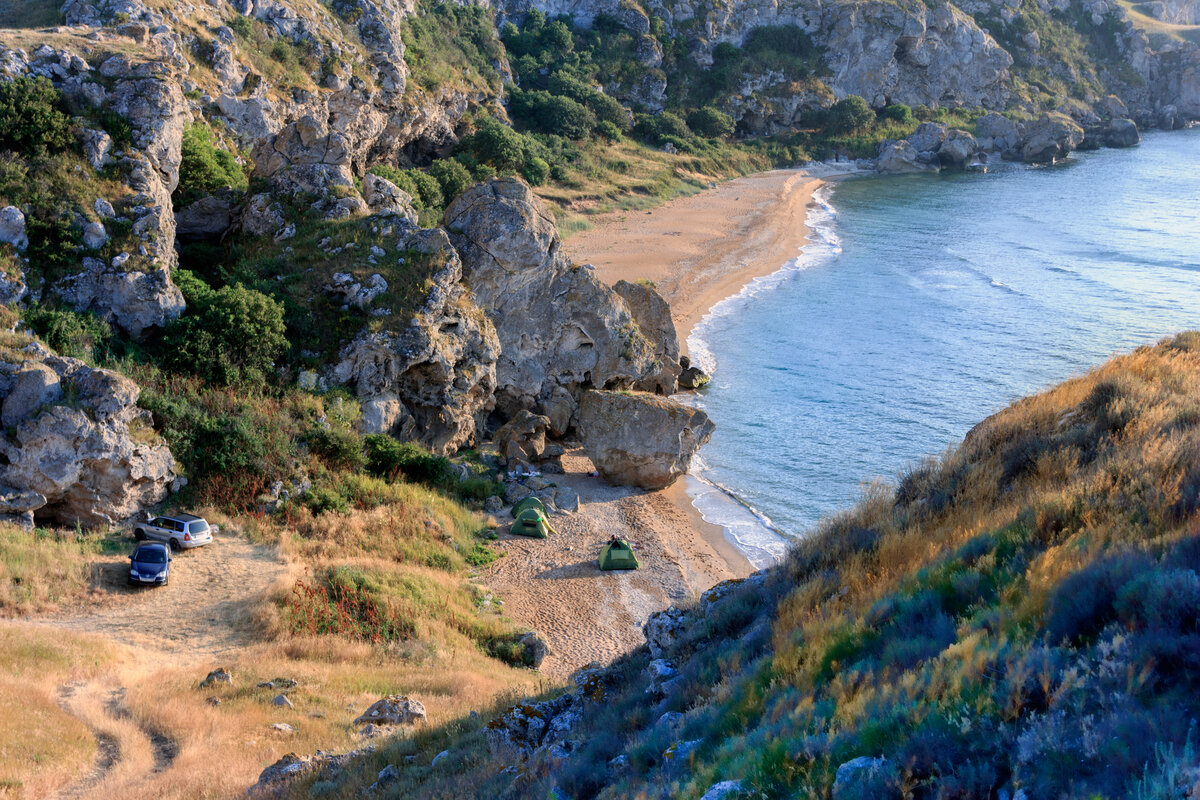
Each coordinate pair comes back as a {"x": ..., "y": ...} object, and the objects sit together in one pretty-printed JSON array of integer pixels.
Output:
[{"x": 926, "y": 303}]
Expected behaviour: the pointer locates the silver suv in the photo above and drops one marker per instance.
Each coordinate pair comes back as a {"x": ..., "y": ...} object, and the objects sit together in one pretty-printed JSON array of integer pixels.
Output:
[{"x": 180, "y": 531}]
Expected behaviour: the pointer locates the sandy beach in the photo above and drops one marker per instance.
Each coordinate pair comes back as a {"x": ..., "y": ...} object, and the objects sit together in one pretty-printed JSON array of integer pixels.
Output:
[
  {"x": 702, "y": 249},
  {"x": 698, "y": 250}
]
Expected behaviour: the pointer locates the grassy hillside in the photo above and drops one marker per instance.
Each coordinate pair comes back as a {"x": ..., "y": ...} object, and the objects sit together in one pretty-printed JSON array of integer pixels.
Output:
[{"x": 1018, "y": 614}]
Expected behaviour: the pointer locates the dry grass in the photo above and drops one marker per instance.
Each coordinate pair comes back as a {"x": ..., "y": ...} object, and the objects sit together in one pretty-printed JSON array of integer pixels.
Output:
[
  {"x": 40, "y": 570},
  {"x": 41, "y": 745}
]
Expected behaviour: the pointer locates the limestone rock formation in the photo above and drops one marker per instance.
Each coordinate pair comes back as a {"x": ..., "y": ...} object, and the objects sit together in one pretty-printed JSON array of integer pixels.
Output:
[
  {"x": 206, "y": 218},
  {"x": 79, "y": 440},
  {"x": 522, "y": 437},
  {"x": 561, "y": 330},
  {"x": 1049, "y": 137},
  {"x": 653, "y": 317},
  {"x": 1122, "y": 133},
  {"x": 638, "y": 439},
  {"x": 134, "y": 300},
  {"x": 898, "y": 157},
  {"x": 393, "y": 710},
  {"x": 433, "y": 380}
]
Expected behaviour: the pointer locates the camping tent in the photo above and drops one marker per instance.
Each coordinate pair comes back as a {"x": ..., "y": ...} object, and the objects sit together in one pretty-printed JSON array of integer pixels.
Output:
[
  {"x": 617, "y": 554},
  {"x": 529, "y": 502},
  {"x": 532, "y": 522}
]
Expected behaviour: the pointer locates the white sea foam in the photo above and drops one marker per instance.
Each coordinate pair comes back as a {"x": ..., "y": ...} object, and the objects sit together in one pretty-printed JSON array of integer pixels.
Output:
[{"x": 751, "y": 531}]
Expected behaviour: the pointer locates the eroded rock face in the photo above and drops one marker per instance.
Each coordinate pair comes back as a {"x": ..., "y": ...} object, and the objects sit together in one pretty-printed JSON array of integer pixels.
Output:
[
  {"x": 638, "y": 439},
  {"x": 561, "y": 330},
  {"x": 94, "y": 457},
  {"x": 1050, "y": 137},
  {"x": 522, "y": 437},
  {"x": 432, "y": 381},
  {"x": 653, "y": 317},
  {"x": 133, "y": 299}
]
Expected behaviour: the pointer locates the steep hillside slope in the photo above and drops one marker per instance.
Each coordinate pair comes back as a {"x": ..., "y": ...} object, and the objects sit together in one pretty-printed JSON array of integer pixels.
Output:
[{"x": 1017, "y": 618}]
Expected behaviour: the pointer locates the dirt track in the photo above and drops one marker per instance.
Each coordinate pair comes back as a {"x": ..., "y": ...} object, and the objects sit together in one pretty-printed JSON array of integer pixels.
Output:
[
  {"x": 203, "y": 612},
  {"x": 202, "y": 615}
]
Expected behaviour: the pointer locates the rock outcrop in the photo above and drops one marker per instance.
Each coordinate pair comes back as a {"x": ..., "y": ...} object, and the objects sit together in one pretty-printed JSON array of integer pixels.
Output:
[
  {"x": 653, "y": 317},
  {"x": 638, "y": 439},
  {"x": 393, "y": 710},
  {"x": 522, "y": 437},
  {"x": 433, "y": 380},
  {"x": 561, "y": 330},
  {"x": 78, "y": 439},
  {"x": 1049, "y": 137}
]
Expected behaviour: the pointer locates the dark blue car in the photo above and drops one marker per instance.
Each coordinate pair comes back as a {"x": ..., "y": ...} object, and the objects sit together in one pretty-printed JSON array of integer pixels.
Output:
[{"x": 150, "y": 565}]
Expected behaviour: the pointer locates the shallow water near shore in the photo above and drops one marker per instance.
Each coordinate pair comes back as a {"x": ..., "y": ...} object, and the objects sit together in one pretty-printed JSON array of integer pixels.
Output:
[{"x": 925, "y": 303}]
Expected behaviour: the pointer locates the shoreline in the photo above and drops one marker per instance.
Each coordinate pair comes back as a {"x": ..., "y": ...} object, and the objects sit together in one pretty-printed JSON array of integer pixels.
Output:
[
  {"x": 704, "y": 248},
  {"x": 698, "y": 250}
]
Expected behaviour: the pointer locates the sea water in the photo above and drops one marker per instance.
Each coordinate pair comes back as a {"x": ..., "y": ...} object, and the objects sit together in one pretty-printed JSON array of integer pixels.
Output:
[{"x": 925, "y": 303}]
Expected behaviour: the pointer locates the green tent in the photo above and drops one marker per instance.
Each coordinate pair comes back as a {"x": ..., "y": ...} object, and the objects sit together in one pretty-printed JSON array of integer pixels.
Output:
[
  {"x": 529, "y": 502},
  {"x": 617, "y": 554},
  {"x": 532, "y": 522}
]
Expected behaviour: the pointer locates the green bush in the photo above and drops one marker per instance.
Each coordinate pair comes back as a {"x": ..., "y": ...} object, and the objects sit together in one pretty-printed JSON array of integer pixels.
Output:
[
  {"x": 711, "y": 122},
  {"x": 849, "y": 114},
  {"x": 536, "y": 171},
  {"x": 32, "y": 119},
  {"x": 234, "y": 336},
  {"x": 496, "y": 144},
  {"x": 195, "y": 290},
  {"x": 453, "y": 177},
  {"x": 388, "y": 457},
  {"x": 338, "y": 447},
  {"x": 551, "y": 113},
  {"x": 205, "y": 168},
  {"x": 425, "y": 189},
  {"x": 898, "y": 112},
  {"x": 608, "y": 130},
  {"x": 656, "y": 129},
  {"x": 73, "y": 334}
]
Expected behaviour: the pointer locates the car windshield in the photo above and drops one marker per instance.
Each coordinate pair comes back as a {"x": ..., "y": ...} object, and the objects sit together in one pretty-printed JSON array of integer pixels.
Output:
[
  {"x": 151, "y": 555},
  {"x": 198, "y": 527}
]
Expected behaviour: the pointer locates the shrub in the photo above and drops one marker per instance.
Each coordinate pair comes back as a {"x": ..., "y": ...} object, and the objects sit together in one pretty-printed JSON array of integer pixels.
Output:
[
  {"x": 1165, "y": 598},
  {"x": 32, "y": 120},
  {"x": 388, "y": 457},
  {"x": 898, "y": 112},
  {"x": 655, "y": 129},
  {"x": 453, "y": 177},
  {"x": 195, "y": 290},
  {"x": 70, "y": 333},
  {"x": 849, "y": 114},
  {"x": 338, "y": 447},
  {"x": 204, "y": 168},
  {"x": 1083, "y": 603},
  {"x": 496, "y": 144},
  {"x": 608, "y": 130},
  {"x": 234, "y": 336},
  {"x": 710, "y": 122},
  {"x": 551, "y": 113},
  {"x": 536, "y": 171}
]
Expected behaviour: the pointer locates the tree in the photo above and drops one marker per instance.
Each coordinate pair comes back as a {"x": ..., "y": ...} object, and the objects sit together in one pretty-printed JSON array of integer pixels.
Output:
[
  {"x": 31, "y": 118},
  {"x": 233, "y": 336},
  {"x": 710, "y": 122},
  {"x": 850, "y": 114},
  {"x": 204, "y": 168},
  {"x": 452, "y": 175},
  {"x": 497, "y": 144}
]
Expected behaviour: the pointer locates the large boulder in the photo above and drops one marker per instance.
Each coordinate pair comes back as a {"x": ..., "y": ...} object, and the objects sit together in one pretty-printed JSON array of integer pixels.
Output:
[
  {"x": 653, "y": 317},
  {"x": 132, "y": 299},
  {"x": 639, "y": 439},
  {"x": 1122, "y": 133},
  {"x": 432, "y": 379},
  {"x": 958, "y": 150},
  {"x": 523, "y": 436},
  {"x": 1050, "y": 137},
  {"x": 561, "y": 330},
  {"x": 928, "y": 137},
  {"x": 997, "y": 133},
  {"x": 394, "y": 709},
  {"x": 12, "y": 227},
  {"x": 899, "y": 157},
  {"x": 93, "y": 459}
]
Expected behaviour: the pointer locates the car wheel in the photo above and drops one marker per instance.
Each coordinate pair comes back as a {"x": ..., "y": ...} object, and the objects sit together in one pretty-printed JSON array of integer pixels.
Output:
[
  {"x": 175, "y": 545},
  {"x": 140, "y": 535}
]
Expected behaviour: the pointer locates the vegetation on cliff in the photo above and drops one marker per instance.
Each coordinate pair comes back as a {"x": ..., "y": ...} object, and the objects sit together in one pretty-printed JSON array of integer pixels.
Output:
[{"x": 1019, "y": 614}]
